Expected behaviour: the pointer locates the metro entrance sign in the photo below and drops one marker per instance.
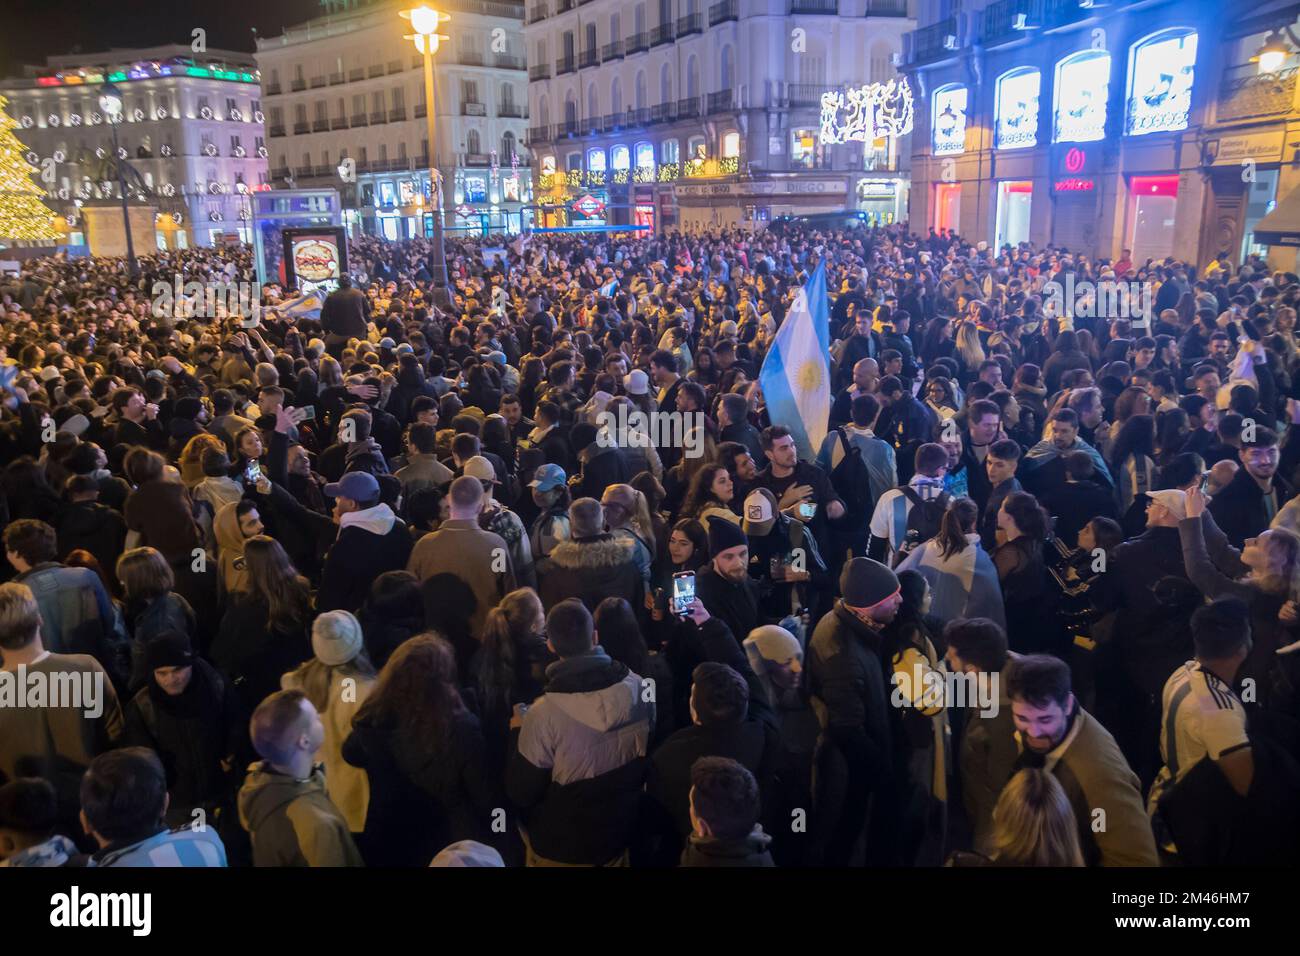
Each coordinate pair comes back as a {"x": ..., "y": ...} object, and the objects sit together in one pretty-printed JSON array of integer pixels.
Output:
[{"x": 589, "y": 206}]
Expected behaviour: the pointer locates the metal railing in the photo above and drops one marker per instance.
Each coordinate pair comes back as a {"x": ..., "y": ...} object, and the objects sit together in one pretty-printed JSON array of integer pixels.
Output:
[
  {"x": 397, "y": 115},
  {"x": 539, "y": 134},
  {"x": 320, "y": 126},
  {"x": 477, "y": 159},
  {"x": 691, "y": 23},
  {"x": 339, "y": 122},
  {"x": 300, "y": 128},
  {"x": 804, "y": 94},
  {"x": 504, "y": 61},
  {"x": 611, "y": 51},
  {"x": 376, "y": 118},
  {"x": 724, "y": 11},
  {"x": 354, "y": 75},
  {"x": 273, "y": 89},
  {"x": 822, "y": 7},
  {"x": 298, "y": 86},
  {"x": 898, "y": 8},
  {"x": 336, "y": 79},
  {"x": 927, "y": 43},
  {"x": 565, "y": 65},
  {"x": 588, "y": 59},
  {"x": 998, "y": 23},
  {"x": 662, "y": 34},
  {"x": 470, "y": 108},
  {"x": 470, "y": 58},
  {"x": 540, "y": 71},
  {"x": 394, "y": 66},
  {"x": 688, "y": 108},
  {"x": 1245, "y": 92},
  {"x": 721, "y": 101},
  {"x": 512, "y": 110},
  {"x": 375, "y": 71},
  {"x": 536, "y": 12},
  {"x": 317, "y": 82},
  {"x": 359, "y": 119},
  {"x": 637, "y": 43},
  {"x": 277, "y": 130}
]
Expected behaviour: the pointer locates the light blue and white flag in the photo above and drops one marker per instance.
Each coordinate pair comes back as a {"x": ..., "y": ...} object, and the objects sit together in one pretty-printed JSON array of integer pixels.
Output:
[
  {"x": 795, "y": 378},
  {"x": 304, "y": 307}
]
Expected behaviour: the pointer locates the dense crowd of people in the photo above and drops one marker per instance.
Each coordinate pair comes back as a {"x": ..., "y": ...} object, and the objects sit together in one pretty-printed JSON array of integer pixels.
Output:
[{"x": 426, "y": 579}]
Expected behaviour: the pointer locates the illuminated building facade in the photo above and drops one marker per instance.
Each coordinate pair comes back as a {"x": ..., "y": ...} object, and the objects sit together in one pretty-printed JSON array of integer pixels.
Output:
[
  {"x": 191, "y": 129},
  {"x": 694, "y": 114},
  {"x": 1096, "y": 127}
]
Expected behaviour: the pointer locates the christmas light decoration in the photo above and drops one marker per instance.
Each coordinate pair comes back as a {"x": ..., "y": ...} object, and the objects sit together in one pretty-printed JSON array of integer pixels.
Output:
[
  {"x": 873, "y": 111},
  {"x": 22, "y": 214}
]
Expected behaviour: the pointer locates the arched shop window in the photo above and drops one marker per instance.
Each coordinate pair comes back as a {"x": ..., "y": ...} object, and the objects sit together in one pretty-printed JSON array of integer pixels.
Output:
[
  {"x": 620, "y": 158},
  {"x": 645, "y": 155},
  {"x": 596, "y": 160},
  {"x": 730, "y": 144},
  {"x": 1017, "y": 108},
  {"x": 1161, "y": 71},
  {"x": 948, "y": 114},
  {"x": 668, "y": 151},
  {"x": 1082, "y": 88}
]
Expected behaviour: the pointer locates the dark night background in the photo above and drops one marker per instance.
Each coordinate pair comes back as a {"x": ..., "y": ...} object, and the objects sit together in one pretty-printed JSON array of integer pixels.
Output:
[{"x": 31, "y": 30}]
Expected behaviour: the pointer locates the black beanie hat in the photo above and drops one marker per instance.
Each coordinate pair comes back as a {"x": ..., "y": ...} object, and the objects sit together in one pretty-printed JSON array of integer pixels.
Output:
[
  {"x": 865, "y": 583},
  {"x": 724, "y": 534},
  {"x": 168, "y": 649}
]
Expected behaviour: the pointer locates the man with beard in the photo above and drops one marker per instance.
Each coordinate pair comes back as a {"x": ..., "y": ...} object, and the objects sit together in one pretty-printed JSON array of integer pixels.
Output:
[
  {"x": 724, "y": 587},
  {"x": 856, "y": 784},
  {"x": 1249, "y": 502},
  {"x": 1043, "y": 467},
  {"x": 1056, "y": 734}
]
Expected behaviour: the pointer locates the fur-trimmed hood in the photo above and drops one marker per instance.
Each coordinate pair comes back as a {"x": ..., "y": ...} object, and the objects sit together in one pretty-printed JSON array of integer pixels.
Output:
[{"x": 601, "y": 551}]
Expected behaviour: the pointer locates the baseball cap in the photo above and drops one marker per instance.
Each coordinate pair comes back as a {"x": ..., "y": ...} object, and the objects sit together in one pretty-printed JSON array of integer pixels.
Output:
[
  {"x": 355, "y": 486},
  {"x": 1172, "y": 499},
  {"x": 480, "y": 468},
  {"x": 636, "y": 382},
  {"x": 548, "y": 477},
  {"x": 760, "y": 511}
]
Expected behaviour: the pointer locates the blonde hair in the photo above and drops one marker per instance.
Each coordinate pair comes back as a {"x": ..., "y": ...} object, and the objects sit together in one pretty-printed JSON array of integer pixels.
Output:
[
  {"x": 192, "y": 456},
  {"x": 20, "y": 616},
  {"x": 1283, "y": 575},
  {"x": 1034, "y": 823},
  {"x": 968, "y": 345}
]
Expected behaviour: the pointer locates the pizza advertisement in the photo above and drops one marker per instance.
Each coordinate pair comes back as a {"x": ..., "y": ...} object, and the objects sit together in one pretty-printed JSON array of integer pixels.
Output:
[{"x": 316, "y": 258}]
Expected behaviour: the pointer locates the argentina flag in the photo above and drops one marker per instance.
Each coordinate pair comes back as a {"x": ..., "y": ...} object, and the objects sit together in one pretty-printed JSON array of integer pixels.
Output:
[
  {"x": 796, "y": 378},
  {"x": 304, "y": 307}
]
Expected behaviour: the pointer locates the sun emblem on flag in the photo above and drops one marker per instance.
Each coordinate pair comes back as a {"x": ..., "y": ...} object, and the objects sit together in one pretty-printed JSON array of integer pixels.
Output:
[{"x": 810, "y": 376}]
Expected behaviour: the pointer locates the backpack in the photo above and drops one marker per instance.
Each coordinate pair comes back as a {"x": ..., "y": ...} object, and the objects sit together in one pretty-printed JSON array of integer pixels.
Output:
[
  {"x": 851, "y": 480},
  {"x": 921, "y": 523}
]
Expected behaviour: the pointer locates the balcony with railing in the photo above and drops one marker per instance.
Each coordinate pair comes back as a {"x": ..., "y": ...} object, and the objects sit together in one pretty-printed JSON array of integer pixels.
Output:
[
  {"x": 637, "y": 43},
  {"x": 564, "y": 6},
  {"x": 664, "y": 33},
  {"x": 336, "y": 78},
  {"x": 512, "y": 111},
  {"x": 297, "y": 86},
  {"x": 1006, "y": 20},
  {"x": 477, "y": 159},
  {"x": 419, "y": 111},
  {"x": 721, "y": 101},
  {"x": 611, "y": 51},
  {"x": 374, "y": 71},
  {"x": 591, "y": 125},
  {"x": 1245, "y": 93},
  {"x": 355, "y": 75},
  {"x": 587, "y": 59},
  {"x": 612, "y": 122},
  {"x": 280, "y": 172},
  {"x": 931, "y": 43},
  {"x": 300, "y": 128},
  {"x": 277, "y": 130},
  {"x": 339, "y": 122},
  {"x": 395, "y": 66},
  {"x": 1061, "y": 13},
  {"x": 539, "y": 134},
  {"x": 504, "y": 61},
  {"x": 320, "y": 126},
  {"x": 539, "y": 71},
  {"x": 898, "y": 8},
  {"x": 397, "y": 115},
  {"x": 358, "y": 119},
  {"x": 663, "y": 113},
  {"x": 376, "y": 117},
  {"x": 638, "y": 117},
  {"x": 804, "y": 94},
  {"x": 689, "y": 24},
  {"x": 724, "y": 11},
  {"x": 816, "y": 7},
  {"x": 688, "y": 108},
  {"x": 273, "y": 89},
  {"x": 536, "y": 12},
  {"x": 470, "y": 108},
  {"x": 317, "y": 82},
  {"x": 565, "y": 65},
  {"x": 567, "y": 128},
  {"x": 470, "y": 58}
]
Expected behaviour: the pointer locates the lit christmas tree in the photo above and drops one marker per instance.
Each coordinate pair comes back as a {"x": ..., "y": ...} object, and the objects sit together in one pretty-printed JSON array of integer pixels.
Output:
[{"x": 23, "y": 216}]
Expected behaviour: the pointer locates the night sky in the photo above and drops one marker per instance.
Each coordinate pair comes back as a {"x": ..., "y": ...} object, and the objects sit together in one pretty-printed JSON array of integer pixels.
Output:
[{"x": 31, "y": 30}]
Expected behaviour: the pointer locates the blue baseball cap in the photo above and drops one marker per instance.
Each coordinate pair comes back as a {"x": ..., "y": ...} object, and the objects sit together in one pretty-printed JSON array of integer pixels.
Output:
[
  {"x": 548, "y": 478},
  {"x": 355, "y": 486}
]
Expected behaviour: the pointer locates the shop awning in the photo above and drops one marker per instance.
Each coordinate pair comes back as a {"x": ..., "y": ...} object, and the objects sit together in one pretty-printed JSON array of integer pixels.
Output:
[{"x": 1281, "y": 227}]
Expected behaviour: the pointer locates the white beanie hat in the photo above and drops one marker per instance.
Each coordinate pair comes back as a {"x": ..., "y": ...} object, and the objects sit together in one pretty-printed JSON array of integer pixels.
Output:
[{"x": 336, "y": 638}]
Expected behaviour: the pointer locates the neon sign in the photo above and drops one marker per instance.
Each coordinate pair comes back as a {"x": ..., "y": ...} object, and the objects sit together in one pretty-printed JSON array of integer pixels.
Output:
[
  {"x": 1074, "y": 185},
  {"x": 873, "y": 112}
]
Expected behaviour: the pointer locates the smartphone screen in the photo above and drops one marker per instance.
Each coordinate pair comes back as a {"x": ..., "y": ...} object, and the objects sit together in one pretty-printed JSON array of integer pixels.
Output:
[
  {"x": 807, "y": 509},
  {"x": 308, "y": 413},
  {"x": 683, "y": 592},
  {"x": 253, "y": 472}
]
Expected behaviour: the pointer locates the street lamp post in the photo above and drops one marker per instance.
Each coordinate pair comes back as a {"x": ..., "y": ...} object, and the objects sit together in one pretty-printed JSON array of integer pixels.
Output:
[
  {"x": 110, "y": 101},
  {"x": 425, "y": 21}
]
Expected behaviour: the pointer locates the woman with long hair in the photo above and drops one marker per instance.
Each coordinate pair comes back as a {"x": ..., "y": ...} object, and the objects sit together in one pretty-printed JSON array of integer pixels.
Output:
[
  {"x": 1023, "y": 576},
  {"x": 968, "y": 352},
  {"x": 962, "y": 578},
  {"x": 392, "y": 613},
  {"x": 264, "y": 632},
  {"x": 337, "y": 680},
  {"x": 710, "y": 495},
  {"x": 618, "y": 632},
  {"x": 191, "y": 460},
  {"x": 649, "y": 487},
  {"x": 627, "y": 516},
  {"x": 149, "y": 605},
  {"x": 1173, "y": 429},
  {"x": 1265, "y": 575},
  {"x": 940, "y": 398},
  {"x": 510, "y": 667},
  {"x": 937, "y": 340},
  {"x": 1132, "y": 459},
  {"x": 1034, "y": 823},
  {"x": 423, "y": 753},
  {"x": 677, "y": 479}
]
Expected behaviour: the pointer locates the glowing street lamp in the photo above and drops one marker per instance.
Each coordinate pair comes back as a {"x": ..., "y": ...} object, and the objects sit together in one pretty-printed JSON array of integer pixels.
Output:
[
  {"x": 1273, "y": 53},
  {"x": 425, "y": 21}
]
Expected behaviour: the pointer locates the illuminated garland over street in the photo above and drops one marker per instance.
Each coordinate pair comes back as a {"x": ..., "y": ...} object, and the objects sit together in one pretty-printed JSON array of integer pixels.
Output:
[{"x": 874, "y": 111}]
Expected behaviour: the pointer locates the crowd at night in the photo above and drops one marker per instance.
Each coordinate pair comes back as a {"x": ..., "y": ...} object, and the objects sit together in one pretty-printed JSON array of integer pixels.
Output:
[{"x": 426, "y": 578}]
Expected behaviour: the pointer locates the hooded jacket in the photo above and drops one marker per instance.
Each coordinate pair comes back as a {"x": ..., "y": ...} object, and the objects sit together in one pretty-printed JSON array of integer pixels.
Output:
[
  {"x": 590, "y": 569},
  {"x": 578, "y": 763},
  {"x": 370, "y": 542},
  {"x": 232, "y": 574},
  {"x": 292, "y": 822},
  {"x": 748, "y": 851}
]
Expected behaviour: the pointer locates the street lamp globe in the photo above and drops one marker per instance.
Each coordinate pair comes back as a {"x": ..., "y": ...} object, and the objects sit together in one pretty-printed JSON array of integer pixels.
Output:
[
  {"x": 424, "y": 20},
  {"x": 110, "y": 99},
  {"x": 1272, "y": 54}
]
